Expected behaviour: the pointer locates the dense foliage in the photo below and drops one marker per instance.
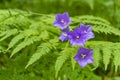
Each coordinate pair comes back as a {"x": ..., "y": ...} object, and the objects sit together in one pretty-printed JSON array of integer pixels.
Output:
[{"x": 30, "y": 48}]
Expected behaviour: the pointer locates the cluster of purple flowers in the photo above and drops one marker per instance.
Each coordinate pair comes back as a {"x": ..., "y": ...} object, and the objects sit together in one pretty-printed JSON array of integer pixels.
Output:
[{"x": 78, "y": 37}]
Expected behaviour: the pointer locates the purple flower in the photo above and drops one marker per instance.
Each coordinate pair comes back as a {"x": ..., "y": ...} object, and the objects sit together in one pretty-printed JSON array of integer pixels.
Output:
[
  {"x": 80, "y": 35},
  {"x": 84, "y": 57},
  {"x": 62, "y": 20},
  {"x": 87, "y": 31},
  {"x": 64, "y": 35}
]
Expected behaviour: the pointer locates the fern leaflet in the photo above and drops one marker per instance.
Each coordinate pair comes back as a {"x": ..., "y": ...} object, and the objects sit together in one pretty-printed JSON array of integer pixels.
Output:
[
  {"x": 43, "y": 49},
  {"x": 25, "y": 43},
  {"x": 116, "y": 59},
  {"x": 9, "y": 33},
  {"x": 106, "y": 56},
  {"x": 64, "y": 55},
  {"x": 15, "y": 40}
]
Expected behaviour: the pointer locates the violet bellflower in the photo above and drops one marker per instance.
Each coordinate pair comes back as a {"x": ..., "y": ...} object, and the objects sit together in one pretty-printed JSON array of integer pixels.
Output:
[
  {"x": 87, "y": 31},
  {"x": 62, "y": 20},
  {"x": 80, "y": 35},
  {"x": 84, "y": 57},
  {"x": 64, "y": 35}
]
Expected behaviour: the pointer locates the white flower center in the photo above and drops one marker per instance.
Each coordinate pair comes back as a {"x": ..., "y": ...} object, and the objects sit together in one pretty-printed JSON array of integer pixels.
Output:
[
  {"x": 64, "y": 34},
  {"x": 63, "y": 22},
  {"x": 77, "y": 37},
  {"x": 85, "y": 31},
  {"x": 83, "y": 56}
]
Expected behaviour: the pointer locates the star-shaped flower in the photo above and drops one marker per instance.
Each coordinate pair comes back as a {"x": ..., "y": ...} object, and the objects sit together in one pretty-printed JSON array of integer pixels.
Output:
[
  {"x": 64, "y": 35},
  {"x": 80, "y": 35},
  {"x": 87, "y": 31},
  {"x": 62, "y": 20},
  {"x": 84, "y": 57}
]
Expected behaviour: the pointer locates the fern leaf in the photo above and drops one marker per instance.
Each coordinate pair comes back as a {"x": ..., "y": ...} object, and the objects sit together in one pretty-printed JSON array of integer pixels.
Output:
[
  {"x": 30, "y": 32},
  {"x": 54, "y": 43},
  {"x": 96, "y": 56},
  {"x": 73, "y": 63},
  {"x": 44, "y": 35},
  {"x": 99, "y": 24},
  {"x": 64, "y": 55},
  {"x": 92, "y": 18},
  {"x": 24, "y": 44},
  {"x": 109, "y": 49},
  {"x": 43, "y": 49},
  {"x": 21, "y": 35},
  {"x": 14, "y": 19},
  {"x": 2, "y": 33},
  {"x": 15, "y": 40},
  {"x": 21, "y": 46},
  {"x": 106, "y": 56},
  {"x": 9, "y": 33},
  {"x": 116, "y": 59},
  {"x": 73, "y": 53}
]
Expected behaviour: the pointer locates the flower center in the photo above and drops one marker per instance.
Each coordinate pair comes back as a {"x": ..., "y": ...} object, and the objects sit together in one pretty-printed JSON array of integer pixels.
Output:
[
  {"x": 77, "y": 37},
  {"x": 85, "y": 31},
  {"x": 64, "y": 34},
  {"x": 63, "y": 22},
  {"x": 83, "y": 56}
]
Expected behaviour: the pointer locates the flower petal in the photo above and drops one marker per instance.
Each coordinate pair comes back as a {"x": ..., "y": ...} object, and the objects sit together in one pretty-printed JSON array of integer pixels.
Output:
[
  {"x": 62, "y": 20},
  {"x": 84, "y": 57}
]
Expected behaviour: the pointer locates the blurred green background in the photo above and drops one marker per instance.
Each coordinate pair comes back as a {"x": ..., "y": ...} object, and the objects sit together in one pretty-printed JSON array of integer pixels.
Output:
[{"x": 13, "y": 69}]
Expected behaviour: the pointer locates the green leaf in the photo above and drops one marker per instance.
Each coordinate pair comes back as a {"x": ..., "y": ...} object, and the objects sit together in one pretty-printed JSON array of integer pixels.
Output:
[
  {"x": 44, "y": 35},
  {"x": 73, "y": 63},
  {"x": 9, "y": 33},
  {"x": 106, "y": 56},
  {"x": 99, "y": 24},
  {"x": 96, "y": 56},
  {"x": 64, "y": 55},
  {"x": 116, "y": 59},
  {"x": 15, "y": 40},
  {"x": 25, "y": 43},
  {"x": 43, "y": 49}
]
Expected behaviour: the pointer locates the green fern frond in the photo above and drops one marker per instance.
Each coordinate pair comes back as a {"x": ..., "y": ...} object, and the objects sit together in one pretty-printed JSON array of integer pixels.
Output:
[
  {"x": 96, "y": 56},
  {"x": 8, "y": 33},
  {"x": 25, "y": 43},
  {"x": 64, "y": 55},
  {"x": 73, "y": 53},
  {"x": 15, "y": 40},
  {"x": 11, "y": 12},
  {"x": 44, "y": 35},
  {"x": 26, "y": 33},
  {"x": 61, "y": 59},
  {"x": 2, "y": 33},
  {"x": 48, "y": 19},
  {"x": 109, "y": 49},
  {"x": 106, "y": 56},
  {"x": 73, "y": 62},
  {"x": 42, "y": 26},
  {"x": 43, "y": 49},
  {"x": 54, "y": 43},
  {"x": 30, "y": 32},
  {"x": 14, "y": 19},
  {"x": 99, "y": 24},
  {"x": 54, "y": 31},
  {"x": 116, "y": 59},
  {"x": 92, "y": 18},
  {"x": 19, "y": 22}
]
